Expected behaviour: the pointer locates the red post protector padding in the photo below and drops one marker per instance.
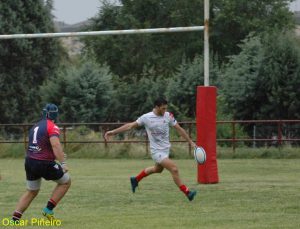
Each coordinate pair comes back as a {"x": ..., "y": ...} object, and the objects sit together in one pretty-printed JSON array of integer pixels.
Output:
[{"x": 206, "y": 133}]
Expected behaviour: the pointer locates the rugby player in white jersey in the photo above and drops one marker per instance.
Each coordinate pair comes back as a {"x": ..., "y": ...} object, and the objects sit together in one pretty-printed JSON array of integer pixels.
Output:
[{"x": 157, "y": 123}]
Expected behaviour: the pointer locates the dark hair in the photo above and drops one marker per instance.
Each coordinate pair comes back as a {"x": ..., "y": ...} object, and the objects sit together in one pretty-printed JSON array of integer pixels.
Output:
[{"x": 160, "y": 101}]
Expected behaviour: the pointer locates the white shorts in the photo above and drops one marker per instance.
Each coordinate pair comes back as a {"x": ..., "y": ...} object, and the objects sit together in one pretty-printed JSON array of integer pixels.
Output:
[{"x": 158, "y": 156}]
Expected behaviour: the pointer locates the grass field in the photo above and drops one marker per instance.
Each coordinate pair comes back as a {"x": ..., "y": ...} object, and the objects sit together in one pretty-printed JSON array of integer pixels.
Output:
[{"x": 252, "y": 193}]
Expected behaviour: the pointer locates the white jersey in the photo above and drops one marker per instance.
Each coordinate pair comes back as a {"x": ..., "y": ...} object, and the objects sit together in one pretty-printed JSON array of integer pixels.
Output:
[{"x": 157, "y": 128}]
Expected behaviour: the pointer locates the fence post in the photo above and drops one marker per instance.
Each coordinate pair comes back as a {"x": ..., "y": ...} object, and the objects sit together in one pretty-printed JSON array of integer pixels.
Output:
[
  {"x": 279, "y": 133},
  {"x": 233, "y": 136},
  {"x": 254, "y": 136},
  {"x": 190, "y": 135},
  {"x": 104, "y": 129}
]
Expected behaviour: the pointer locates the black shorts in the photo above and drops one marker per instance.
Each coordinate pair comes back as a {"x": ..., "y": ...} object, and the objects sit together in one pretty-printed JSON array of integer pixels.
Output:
[{"x": 36, "y": 169}]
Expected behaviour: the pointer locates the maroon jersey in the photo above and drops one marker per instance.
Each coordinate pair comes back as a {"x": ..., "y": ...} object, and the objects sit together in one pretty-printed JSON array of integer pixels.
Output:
[{"x": 39, "y": 147}]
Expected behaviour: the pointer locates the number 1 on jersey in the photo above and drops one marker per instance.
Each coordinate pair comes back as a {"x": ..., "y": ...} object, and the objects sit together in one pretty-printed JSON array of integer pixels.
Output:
[{"x": 35, "y": 134}]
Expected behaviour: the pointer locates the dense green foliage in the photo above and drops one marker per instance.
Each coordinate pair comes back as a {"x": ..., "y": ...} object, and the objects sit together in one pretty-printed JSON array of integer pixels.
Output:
[
  {"x": 254, "y": 61},
  {"x": 130, "y": 54},
  {"x": 136, "y": 96},
  {"x": 263, "y": 81},
  {"x": 233, "y": 20},
  {"x": 175, "y": 60},
  {"x": 25, "y": 63},
  {"x": 182, "y": 86},
  {"x": 82, "y": 93}
]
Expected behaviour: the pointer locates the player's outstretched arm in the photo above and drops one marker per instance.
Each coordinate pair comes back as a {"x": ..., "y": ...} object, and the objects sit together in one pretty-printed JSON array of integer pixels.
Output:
[
  {"x": 125, "y": 127},
  {"x": 184, "y": 134}
]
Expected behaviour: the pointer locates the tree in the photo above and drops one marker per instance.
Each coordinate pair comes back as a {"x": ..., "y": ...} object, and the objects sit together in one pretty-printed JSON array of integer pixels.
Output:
[
  {"x": 281, "y": 71},
  {"x": 182, "y": 87},
  {"x": 82, "y": 93},
  {"x": 262, "y": 82},
  {"x": 25, "y": 63},
  {"x": 233, "y": 20},
  {"x": 137, "y": 96},
  {"x": 130, "y": 54}
]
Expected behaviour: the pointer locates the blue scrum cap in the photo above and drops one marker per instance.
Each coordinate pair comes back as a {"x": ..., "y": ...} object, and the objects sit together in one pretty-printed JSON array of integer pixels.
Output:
[{"x": 50, "y": 111}]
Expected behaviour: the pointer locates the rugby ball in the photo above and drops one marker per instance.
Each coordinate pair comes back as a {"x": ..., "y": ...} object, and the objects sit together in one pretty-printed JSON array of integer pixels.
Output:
[{"x": 200, "y": 155}]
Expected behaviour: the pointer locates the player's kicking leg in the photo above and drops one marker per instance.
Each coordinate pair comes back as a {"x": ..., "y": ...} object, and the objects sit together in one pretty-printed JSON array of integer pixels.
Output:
[{"x": 171, "y": 166}]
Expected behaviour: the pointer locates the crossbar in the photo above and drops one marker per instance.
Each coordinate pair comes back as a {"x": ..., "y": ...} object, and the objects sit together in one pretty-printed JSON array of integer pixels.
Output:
[{"x": 108, "y": 32}]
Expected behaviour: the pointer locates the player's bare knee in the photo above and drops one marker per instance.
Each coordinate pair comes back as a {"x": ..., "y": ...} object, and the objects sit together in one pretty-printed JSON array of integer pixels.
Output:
[
  {"x": 174, "y": 170},
  {"x": 158, "y": 170}
]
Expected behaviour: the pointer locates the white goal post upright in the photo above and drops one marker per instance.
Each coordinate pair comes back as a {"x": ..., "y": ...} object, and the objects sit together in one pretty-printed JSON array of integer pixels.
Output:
[{"x": 206, "y": 42}]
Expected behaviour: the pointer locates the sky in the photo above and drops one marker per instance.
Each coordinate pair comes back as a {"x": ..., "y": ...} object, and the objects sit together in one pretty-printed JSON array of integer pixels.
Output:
[
  {"x": 71, "y": 12},
  {"x": 295, "y": 6}
]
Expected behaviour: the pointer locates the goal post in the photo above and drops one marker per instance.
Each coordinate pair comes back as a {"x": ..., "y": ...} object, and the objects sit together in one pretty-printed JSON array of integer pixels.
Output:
[
  {"x": 102, "y": 33},
  {"x": 206, "y": 110}
]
